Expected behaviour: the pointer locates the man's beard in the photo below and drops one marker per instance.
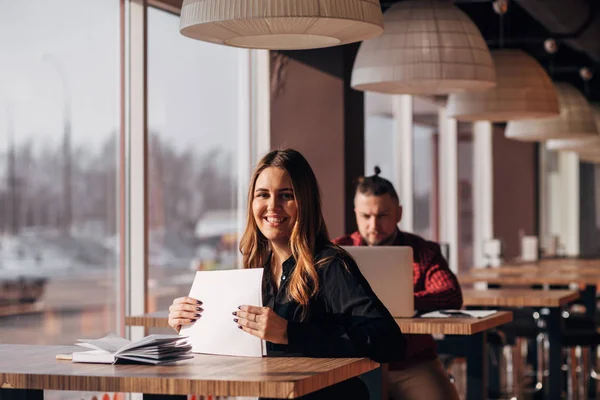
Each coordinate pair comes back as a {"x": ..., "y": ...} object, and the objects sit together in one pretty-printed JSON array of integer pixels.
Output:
[{"x": 387, "y": 241}]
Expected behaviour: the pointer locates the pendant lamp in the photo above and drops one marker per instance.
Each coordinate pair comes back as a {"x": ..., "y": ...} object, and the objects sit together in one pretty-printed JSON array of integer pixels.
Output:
[
  {"x": 574, "y": 121},
  {"x": 428, "y": 47},
  {"x": 281, "y": 24},
  {"x": 589, "y": 142},
  {"x": 524, "y": 91}
]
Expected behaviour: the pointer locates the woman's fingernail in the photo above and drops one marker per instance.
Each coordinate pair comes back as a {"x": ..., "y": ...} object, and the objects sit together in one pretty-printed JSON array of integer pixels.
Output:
[
  {"x": 239, "y": 307},
  {"x": 234, "y": 313},
  {"x": 199, "y": 309},
  {"x": 198, "y": 315},
  {"x": 199, "y": 302},
  {"x": 235, "y": 320},
  {"x": 239, "y": 326}
]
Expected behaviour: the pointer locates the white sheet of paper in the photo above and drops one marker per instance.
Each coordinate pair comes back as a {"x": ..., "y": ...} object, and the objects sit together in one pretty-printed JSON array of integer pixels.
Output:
[
  {"x": 221, "y": 292},
  {"x": 471, "y": 313}
]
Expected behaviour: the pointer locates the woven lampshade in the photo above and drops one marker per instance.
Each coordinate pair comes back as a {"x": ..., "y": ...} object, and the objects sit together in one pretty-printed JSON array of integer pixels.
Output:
[
  {"x": 575, "y": 120},
  {"x": 428, "y": 47},
  {"x": 588, "y": 142},
  {"x": 524, "y": 91},
  {"x": 281, "y": 24}
]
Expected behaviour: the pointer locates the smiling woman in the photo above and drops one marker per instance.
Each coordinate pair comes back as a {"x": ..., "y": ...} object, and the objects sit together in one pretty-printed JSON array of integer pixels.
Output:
[{"x": 316, "y": 301}]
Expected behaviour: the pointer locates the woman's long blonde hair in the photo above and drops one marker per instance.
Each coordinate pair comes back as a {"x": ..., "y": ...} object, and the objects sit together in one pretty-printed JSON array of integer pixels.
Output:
[{"x": 309, "y": 230}]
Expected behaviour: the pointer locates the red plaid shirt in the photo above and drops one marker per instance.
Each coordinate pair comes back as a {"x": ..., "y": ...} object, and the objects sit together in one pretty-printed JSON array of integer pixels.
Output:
[{"x": 436, "y": 287}]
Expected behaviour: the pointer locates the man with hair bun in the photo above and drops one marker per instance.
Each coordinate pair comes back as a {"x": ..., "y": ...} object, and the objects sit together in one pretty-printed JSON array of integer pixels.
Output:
[{"x": 378, "y": 211}]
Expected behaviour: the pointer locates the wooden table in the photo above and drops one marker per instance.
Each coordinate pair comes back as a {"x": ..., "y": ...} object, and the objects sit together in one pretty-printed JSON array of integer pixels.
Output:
[
  {"x": 159, "y": 319},
  {"x": 501, "y": 276},
  {"x": 552, "y": 263},
  {"x": 472, "y": 328},
  {"x": 541, "y": 276},
  {"x": 35, "y": 367},
  {"x": 474, "y": 332},
  {"x": 517, "y": 298},
  {"x": 452, "y": 326},
  {"x": 554, "y": 300}
]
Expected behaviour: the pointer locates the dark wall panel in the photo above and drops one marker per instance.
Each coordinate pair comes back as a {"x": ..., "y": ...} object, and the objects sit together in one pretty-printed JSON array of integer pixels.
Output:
[{"x": 515, "y": 188}]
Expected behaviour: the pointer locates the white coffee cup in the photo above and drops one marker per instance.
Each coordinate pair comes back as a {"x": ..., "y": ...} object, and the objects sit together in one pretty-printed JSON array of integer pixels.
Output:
[{"x": 529, "y": 248}]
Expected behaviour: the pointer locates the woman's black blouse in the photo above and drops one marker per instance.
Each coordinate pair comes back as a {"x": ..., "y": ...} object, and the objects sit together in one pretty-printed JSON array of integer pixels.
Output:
[{"x": 345, "y": 318}]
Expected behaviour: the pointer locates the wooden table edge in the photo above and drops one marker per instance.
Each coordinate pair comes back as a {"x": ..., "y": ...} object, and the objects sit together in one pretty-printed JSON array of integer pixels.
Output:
[
  {"x": 369, "y": 365},
  {"x": 547, "y": 302},
  {"x": 147, "y": 321},
  {"x": 470, "y": 326},
  {"x": 288, "y": 388}
]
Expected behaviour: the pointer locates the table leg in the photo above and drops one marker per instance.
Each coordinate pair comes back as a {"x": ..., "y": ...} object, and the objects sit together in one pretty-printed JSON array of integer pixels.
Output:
[
  {"x": 494, "y": 357},
  {"x": 477, "y": 367},
  {"x": 555, "y": 381},
  {"x": 374, "y": 381},
  {"x": 21, "y": 394},
  {"x": 588, "y": 295}
]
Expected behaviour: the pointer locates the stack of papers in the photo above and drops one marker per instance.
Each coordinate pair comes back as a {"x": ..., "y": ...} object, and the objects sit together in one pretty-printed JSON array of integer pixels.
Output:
[
  {"x": 153, "y": 349},
  {"x": 459, "y": 314}
]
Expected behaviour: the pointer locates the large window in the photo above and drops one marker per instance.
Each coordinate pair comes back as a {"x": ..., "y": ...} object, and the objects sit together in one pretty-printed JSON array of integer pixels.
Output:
[
  {"x": 193, "y": 95},
  {"x": 59, "y": 143},
  {"x": 59, "y": 152}
]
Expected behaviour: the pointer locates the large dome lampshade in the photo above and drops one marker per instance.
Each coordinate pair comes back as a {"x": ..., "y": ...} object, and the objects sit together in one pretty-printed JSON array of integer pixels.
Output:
[
  {"x": 585, "y": 143},
  {"x": 524, "y": 91},
  {"x": 574, "y": 121},
  {"x": 281, "y": 24},
  {"x": 428, "y": 47}
]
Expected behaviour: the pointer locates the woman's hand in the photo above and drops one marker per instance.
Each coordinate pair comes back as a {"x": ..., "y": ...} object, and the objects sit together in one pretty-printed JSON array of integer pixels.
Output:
[
  {"x": 262, "y": 322},
  {"x": 184, "y": 311}
]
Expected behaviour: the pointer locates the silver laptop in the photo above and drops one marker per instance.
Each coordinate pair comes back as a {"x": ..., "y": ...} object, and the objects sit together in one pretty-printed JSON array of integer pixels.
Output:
[{"x": 389, "y": 271}]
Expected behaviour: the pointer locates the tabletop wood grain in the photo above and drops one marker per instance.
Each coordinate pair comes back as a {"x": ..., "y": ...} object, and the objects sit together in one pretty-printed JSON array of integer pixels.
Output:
[
  {"x": 561, "y": 264},
  {"x": 35, "y": 367},
  {"x": 528, "y": 277},
  {"x": 159, "y": 319},
  {"x": 518, "y": 297},
  {"x": 453, "y": 326}
]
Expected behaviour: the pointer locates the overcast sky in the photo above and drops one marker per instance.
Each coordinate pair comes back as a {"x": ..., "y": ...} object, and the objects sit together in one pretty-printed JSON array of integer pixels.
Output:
[{"x": 53, "y": 51}]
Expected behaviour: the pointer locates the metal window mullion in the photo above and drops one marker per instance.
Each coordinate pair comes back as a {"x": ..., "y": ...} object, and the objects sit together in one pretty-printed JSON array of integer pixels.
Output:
[
  {"x": 244, "y": 145},
  {"x": 136, "y": 131},
  {"x": 262, "y": 103}
]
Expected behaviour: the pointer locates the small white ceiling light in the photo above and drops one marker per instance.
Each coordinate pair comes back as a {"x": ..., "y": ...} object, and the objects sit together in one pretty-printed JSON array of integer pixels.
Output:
[
  {"x": 281, "y": 24},
  {"x": 428, "y": 47},
  {"x": 524, "y": 91},
  {"x": 589, "y": 142},
  {"x": 575, "y": 120}
]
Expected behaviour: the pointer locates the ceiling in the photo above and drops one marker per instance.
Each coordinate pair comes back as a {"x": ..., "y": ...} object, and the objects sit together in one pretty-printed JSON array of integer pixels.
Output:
[{"x": 574, "y": 23}]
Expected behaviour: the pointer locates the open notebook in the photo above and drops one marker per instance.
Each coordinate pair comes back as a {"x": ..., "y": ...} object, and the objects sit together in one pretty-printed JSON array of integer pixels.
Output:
[
  {"x": 459, "y": 314},
  {"x": 153, "y": 349}
]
